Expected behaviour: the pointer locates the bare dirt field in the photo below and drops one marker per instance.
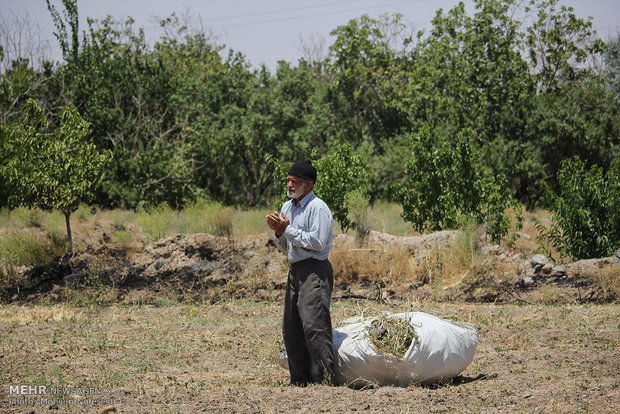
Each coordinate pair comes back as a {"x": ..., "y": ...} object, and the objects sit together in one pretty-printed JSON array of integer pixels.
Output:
[
  {"x": 191, "y": 323},
  {"x": 221, "y": 358}
]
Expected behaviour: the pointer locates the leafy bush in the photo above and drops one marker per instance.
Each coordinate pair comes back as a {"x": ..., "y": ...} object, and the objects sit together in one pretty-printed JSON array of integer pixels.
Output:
[
  {"x": 586, "y": 213},
  {"x": 340, "y": 172},
  {"x": 444, "y": 183}
]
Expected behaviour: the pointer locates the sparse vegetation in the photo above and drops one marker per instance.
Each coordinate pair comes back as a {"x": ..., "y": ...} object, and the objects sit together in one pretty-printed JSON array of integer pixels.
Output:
[
  {"x": 185, "y": 141},
  {"x": 185, "y": 357},
  {"x": 443, "y": 268},
  {"x": 30, "y": 248}
]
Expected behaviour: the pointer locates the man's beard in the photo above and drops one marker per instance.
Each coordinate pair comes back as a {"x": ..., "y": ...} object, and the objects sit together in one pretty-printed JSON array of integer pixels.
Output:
[{"x": 295, "y": 193}]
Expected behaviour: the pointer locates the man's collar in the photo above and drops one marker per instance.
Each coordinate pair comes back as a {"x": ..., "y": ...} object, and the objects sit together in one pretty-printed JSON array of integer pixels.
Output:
[{"x": 306, "y": 199}]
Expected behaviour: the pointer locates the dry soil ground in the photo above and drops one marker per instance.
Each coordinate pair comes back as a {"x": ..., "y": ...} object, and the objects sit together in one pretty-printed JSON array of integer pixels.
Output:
[
  {"x": 220, "y": 358},
  {"x": 118, "y": 328}
]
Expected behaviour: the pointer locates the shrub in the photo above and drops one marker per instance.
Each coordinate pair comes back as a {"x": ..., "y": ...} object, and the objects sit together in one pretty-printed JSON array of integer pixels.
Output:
[
  {"x": 339, "y": 173},
  {"x": 585, "y": 220},
  {"x": 445, "y": 184}
]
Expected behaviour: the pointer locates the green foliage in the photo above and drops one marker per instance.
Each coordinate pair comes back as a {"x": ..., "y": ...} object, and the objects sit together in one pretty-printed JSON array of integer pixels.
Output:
[
  {"x": 185, "y": 121},
  {"x": 70, "y": 14},
  {"x": 52, "y": 171},
  {"x": 495, "y": 200},
  {"x": 586, "y": 212},
  {"x": 280, "y": 172},
  {"x": 367, "y": 64},
  {"x": 25, "y": 248},
  {"x": 473, "y": 72},
  {"x": 560, "y": 44},
  {"x": 340, "y": 172},
  {"x": 612, "y": 67},
  {"x": 444, "y": 184}
]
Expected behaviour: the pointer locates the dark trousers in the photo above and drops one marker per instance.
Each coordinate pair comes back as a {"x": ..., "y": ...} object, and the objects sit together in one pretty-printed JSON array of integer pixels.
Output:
[{"x": 307, "y": 325}]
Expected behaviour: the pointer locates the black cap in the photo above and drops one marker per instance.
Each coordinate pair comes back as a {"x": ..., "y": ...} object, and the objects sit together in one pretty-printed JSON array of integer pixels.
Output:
[{"x": 303, "y": 169}]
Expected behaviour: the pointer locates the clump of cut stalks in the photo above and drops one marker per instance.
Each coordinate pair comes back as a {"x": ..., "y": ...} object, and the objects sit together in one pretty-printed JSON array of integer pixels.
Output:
[{"x": 391, "y": 335}]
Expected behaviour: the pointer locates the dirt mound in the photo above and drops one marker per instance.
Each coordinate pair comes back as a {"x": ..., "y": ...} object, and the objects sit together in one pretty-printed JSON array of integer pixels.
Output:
[
  {"x": 206, "y": 266},
  {"x": 194, "y": 262},
  {"x": 413, "y": 244}
]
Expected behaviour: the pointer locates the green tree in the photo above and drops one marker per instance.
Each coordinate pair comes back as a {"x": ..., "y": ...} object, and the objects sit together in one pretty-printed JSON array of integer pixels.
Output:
[
  {"x": 562, "y": 47},
  {"x": 341, "y": 172},
  {"x": 52, "y": 169},
  {"x": 586, "y": 212},
  {"x": 70, "y": 13},
  {"x": 444, "y": 183},
  {"x": 469, "y": 73},
  {"x": 612, "y": 67},
  {"x": 498, "y": 75},
  {"x": 16, "y": 84},
  {"x": 365, "y": 69}
]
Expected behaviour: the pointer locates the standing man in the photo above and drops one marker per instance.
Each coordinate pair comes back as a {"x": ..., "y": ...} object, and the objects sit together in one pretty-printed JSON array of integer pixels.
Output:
[{"x": 304, "y": 233}]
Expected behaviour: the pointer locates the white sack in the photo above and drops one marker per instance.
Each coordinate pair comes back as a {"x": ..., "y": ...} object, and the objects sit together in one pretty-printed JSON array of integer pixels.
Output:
[{"x": 443, "y": 350}]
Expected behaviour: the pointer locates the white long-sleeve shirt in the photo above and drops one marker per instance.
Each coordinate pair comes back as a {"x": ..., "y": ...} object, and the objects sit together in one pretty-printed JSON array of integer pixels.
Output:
[{"x": 309, "y": 234}]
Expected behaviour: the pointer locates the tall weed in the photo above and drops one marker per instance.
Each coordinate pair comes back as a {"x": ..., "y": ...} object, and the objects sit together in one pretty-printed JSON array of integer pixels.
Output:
[
  {"x": 353, "y": 262},
  {"x": 453, "y": 263},
  {"x": 158, "y": 222},
  {"x": 358, "y": 214},
  {"x": 200, "y": 217},
  {"x": 223, "y": 222},
  {"x": 20, "y": 248}
]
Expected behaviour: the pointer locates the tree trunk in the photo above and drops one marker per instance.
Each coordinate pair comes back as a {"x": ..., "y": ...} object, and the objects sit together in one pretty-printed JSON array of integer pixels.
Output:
[{"x": 69, "y": 236}]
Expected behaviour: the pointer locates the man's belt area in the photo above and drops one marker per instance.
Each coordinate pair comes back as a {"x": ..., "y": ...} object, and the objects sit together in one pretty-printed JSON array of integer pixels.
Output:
[{"x": 306, "y": 261}]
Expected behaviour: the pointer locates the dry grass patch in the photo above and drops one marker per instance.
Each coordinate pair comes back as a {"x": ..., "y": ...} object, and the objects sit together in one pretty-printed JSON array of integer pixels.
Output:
[
  {"x": 608, "y": 280},
  {"x": 391, "y": 335},
  {"x": 221, "y": 358},
  {"x": 528, "y": 243},
  {"x": 371, "y": 263},
  {"x": 458, "y": 262}
]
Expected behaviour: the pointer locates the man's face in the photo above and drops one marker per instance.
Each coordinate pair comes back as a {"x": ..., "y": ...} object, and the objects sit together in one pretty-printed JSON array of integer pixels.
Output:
[{"x": 295, "y": 186}]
